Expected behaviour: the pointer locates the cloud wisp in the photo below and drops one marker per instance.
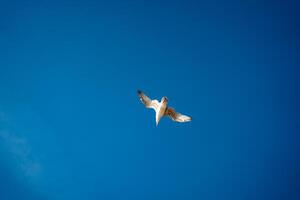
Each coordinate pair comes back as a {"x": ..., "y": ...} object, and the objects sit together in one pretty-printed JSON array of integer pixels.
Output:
[{"x": 21, "y": 153}]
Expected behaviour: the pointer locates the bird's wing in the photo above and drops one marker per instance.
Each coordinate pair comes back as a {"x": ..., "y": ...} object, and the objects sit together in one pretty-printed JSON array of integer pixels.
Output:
[
  {"x": 175, "y": 116},
  {"x": 147, "y": 101}
]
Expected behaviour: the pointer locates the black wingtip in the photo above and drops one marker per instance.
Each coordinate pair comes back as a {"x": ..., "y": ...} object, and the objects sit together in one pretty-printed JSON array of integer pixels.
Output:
[{"x": 139, "y": 91}]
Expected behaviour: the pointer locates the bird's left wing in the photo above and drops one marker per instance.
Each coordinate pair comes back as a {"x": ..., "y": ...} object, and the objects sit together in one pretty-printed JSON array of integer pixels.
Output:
[{"x": 147, "y": 101}]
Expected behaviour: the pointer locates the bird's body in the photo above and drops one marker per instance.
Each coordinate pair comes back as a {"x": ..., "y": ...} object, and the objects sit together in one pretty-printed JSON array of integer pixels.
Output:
[{"x": 161, "y": 109}]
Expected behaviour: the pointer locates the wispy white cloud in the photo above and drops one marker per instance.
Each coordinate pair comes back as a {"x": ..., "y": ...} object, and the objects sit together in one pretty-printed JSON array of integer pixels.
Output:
[{"x": 20, "y": 151}]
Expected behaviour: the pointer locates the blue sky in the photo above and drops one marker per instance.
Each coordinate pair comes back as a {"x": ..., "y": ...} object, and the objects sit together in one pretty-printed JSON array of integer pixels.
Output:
[{"x": 71, "y": 124}]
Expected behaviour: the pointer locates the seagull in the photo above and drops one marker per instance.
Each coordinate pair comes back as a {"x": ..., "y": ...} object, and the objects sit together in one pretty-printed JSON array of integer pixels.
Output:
[{"x": 161, "y": 109}]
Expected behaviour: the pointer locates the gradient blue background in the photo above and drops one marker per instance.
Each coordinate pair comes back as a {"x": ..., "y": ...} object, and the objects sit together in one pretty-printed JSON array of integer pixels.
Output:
[{"x": 73, "y": 128}]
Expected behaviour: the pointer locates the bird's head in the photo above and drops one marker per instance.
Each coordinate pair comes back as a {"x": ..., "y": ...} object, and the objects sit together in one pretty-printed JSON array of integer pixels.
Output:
[{"x": 164, "y": 99}]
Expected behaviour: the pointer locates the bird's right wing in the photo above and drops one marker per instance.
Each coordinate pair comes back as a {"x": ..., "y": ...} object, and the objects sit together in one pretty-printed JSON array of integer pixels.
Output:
[
  {"x": 175, "y": 116},
  {"x": 154, "y": 104}
]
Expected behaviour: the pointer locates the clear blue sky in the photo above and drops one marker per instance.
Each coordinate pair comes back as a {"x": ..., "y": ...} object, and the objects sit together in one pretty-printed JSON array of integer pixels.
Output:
[{"x": 71, "y": 124}]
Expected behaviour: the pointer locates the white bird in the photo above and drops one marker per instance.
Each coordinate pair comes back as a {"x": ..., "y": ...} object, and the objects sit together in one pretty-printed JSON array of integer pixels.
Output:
[{"x": 161, "y": 109}]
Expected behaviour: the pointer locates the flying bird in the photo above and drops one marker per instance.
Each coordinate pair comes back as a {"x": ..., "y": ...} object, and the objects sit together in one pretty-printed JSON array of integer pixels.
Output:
[{"x": 161, "y": 109}]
